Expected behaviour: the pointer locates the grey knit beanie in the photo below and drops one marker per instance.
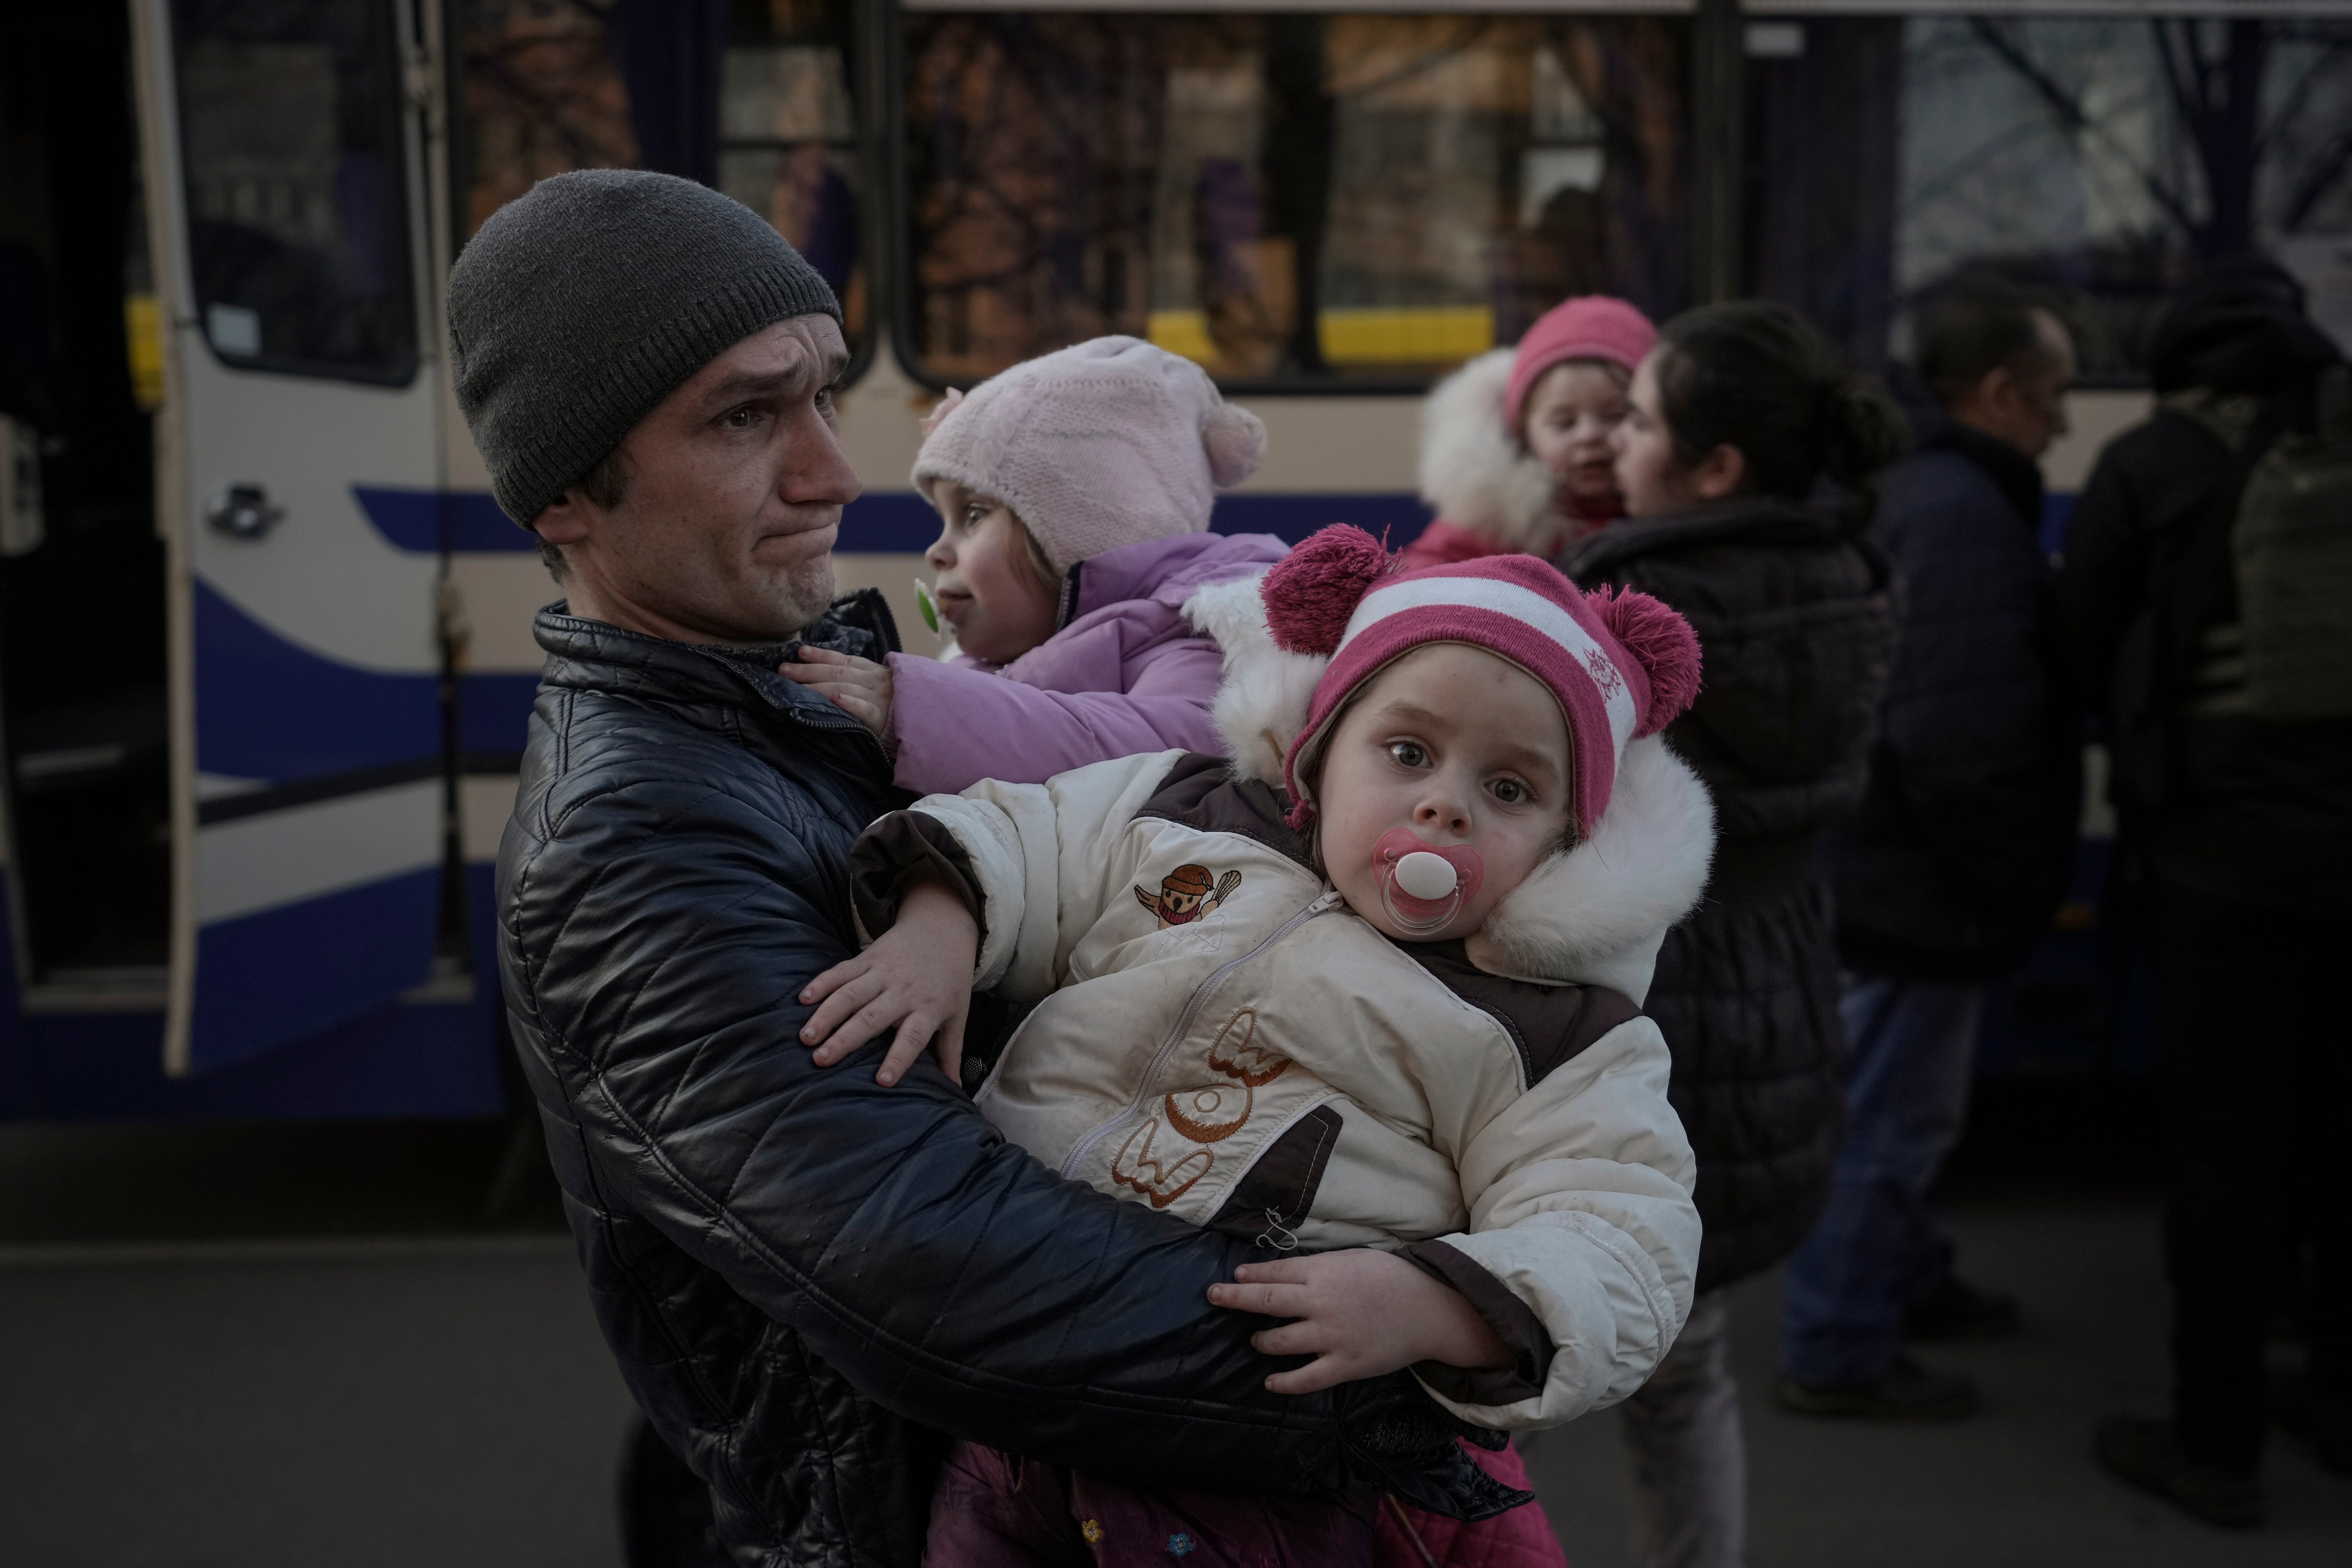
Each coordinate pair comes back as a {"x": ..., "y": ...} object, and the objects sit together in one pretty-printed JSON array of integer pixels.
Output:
[{"x": 582, "y": 304}]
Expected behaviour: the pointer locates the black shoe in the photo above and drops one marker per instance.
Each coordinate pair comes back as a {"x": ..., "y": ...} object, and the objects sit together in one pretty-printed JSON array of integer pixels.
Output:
[
  {"x": 2143, "y": 1451},
  {"x": 1956, "y": 1310},
  {"x": 2323, "y": 1423},
  {"x": 1906, "y": 1391}
]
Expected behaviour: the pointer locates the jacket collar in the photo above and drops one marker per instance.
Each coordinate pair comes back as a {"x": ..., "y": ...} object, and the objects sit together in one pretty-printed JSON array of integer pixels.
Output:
[
  {"x": 2017, "y": 477},
  {"x": 585, "y": 654},
  {"x": 1760, "y": 518}
]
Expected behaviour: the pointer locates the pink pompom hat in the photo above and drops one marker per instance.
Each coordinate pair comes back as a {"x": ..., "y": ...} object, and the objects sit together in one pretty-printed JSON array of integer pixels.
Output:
[
  {"x": 1622, "y": 665},
  {"x": 1592, "y": 326}
]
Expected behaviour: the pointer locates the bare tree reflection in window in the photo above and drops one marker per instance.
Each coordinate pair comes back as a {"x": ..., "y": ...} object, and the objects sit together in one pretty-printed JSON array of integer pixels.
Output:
[
  {"x": 1290, "y": 196},
  {"x": 543, "y": 95}
]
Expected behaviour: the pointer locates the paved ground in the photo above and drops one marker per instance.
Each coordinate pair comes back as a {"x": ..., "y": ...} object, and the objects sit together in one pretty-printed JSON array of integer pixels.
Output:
[
  {"x": 248, "y": 1348},
  {"x": 2014, "y": 1487}
]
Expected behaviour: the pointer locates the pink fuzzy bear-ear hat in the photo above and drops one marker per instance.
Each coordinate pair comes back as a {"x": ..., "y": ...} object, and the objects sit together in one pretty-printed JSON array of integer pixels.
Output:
[{"x": 1622, "y": 665}]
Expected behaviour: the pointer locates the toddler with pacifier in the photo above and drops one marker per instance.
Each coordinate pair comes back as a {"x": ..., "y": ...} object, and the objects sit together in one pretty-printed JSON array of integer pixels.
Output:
[
  {"x": 1074, "y": 492},
  {"x": 1515, "y": 451},
  {"x": 1368, "y": 993}
]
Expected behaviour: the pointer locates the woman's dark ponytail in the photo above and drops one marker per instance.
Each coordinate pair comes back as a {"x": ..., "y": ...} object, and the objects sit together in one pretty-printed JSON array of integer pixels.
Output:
[
  {"x": 1861, "y": 430},
  {"x": 1755, "y": 376}
]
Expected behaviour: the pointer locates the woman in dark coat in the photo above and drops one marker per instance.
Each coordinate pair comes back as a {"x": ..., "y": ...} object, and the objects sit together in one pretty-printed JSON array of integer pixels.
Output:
[{"x": 1746, "y": 465}]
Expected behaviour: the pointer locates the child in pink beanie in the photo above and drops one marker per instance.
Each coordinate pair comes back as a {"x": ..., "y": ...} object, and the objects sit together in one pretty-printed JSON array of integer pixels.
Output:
[
  {"x": 1075, "y": 491},
  {"x": 1365, "y": 997},
  {"x": 1514, "y": 446}
]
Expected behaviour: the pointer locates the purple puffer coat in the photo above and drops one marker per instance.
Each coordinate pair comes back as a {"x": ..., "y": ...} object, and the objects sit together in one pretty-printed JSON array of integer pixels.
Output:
[{"x": 1125, "y": 675}]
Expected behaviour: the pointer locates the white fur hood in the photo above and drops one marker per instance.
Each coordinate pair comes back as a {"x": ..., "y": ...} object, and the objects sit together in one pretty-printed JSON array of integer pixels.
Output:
[
  {"x": 1595, "y": 915},
  {"x": 1475, "y": 472}
]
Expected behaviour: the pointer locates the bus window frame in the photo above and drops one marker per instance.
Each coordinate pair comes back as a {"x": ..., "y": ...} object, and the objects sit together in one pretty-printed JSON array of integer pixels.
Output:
[
  {"x": 388, "y": 70},
  {"x": 869, "y": 29},
  {"x": 902, "y": 238},
  {"x": 901, "y": 295}
]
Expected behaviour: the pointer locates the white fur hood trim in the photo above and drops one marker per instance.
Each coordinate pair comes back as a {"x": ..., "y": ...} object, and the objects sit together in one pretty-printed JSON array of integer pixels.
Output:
[
  {"x": 1474, "y": 470},
  {"x": 1263, "y": 698},
  {"x": 1598, "y": 914},
  {"x": 1594, "y": 916}
]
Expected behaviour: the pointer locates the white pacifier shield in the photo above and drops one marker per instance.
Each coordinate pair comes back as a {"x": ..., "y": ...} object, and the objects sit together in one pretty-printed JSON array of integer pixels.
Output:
[{"x": 1422, "y": 875}]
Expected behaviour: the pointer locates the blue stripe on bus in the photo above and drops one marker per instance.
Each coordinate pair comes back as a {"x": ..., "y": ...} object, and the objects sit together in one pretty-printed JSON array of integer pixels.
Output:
[
  {"x": 881, "y": 523},
  {"x": 494, "y": 710},
  {"x": 265, "y": 980},
  {"x": 885, "y": 523},
  {"x": 2057, "y": 511},
  {"x": 414, "y": 519},
  {"x": 436, "y": 1059},
  {"x": 268, "y": 709}
]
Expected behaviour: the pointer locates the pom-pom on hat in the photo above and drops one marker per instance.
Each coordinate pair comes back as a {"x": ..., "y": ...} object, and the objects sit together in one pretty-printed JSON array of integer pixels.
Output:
[
  {"x": 1110, "y": 442},
  {"x": 1593, "y": 326},
  {"x": 1622, "y": 665}
]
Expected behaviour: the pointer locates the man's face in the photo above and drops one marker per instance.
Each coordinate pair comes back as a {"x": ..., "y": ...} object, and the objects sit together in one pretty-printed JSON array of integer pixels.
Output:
[
  {"x": 731, "y": 501},
  {"x": 2026, "y": 405}
]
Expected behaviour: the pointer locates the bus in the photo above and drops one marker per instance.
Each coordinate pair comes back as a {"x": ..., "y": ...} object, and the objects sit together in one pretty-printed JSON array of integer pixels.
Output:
[{"x": 265, "y": 646}]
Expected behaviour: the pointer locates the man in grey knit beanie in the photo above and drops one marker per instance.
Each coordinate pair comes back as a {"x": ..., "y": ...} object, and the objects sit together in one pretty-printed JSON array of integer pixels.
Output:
[
  {"x": 807, "y": 1277},
  {"x": 647, "y": 368}
]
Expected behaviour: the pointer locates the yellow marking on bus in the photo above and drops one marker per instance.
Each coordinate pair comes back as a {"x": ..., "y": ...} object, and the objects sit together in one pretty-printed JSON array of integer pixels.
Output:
[
  {"x": 1383, "y": 336},
  {"x": 1184, "y": 333},
  {"x": 1380, "y": 335},
  {"x": 143, "y": 327}
]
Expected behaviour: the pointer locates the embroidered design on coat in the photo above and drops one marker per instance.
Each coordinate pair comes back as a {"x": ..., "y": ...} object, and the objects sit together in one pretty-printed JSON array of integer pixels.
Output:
[
  {"x": 1187, "y": 893},
  {"x": 1160, "y": 1180},
  {"x": 1210, "y": 1112},
  {"x": 1206, "y": 1114}
]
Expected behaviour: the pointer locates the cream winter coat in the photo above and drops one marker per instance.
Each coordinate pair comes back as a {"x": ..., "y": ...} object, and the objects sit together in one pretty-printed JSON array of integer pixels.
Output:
[{"x": 1218, "y": 1036}]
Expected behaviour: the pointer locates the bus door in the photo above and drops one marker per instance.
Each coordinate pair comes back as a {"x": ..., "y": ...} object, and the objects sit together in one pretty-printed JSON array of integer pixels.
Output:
[{"x": 286, "y": 202}]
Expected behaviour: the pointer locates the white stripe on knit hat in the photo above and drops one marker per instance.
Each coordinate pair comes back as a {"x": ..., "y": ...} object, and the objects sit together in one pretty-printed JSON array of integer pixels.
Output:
[{"x": 1522, "y": 604}]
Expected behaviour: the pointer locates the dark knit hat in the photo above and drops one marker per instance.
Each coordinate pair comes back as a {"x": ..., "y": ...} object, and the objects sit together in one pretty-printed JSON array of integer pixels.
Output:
[{"x": 582, "y": 304}]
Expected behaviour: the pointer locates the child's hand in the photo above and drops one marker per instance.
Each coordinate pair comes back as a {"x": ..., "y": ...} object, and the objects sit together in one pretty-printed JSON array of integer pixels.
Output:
[
  {"x": 858, "y": 686},
  {"x": 917, "y": 975},
  {"x": 1360, "y": 1313}
]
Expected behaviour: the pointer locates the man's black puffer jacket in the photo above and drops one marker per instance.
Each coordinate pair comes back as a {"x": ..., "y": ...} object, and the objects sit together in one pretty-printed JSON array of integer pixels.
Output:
[
  {"x": 1795, "y": 613},
  {"x": 806, "y": 1276}
]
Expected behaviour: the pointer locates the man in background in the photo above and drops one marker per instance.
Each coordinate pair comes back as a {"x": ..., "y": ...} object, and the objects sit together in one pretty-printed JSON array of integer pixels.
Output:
[
  {"x": 2229, "y": 726},
  {"x": 1952, "y": 865}
]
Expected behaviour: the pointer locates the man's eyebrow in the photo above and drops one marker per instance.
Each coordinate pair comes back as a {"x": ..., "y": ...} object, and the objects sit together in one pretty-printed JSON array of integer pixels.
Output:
[{"x": 753, "y": 384}]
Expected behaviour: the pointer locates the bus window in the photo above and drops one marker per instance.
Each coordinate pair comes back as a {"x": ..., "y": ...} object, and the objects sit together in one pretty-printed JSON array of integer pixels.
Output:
[
  {"x": 788, "y": 137},
  {"x": 1334, "y": 200},
  {"x": 2102, "y": 159},
  {"x": 297, "y": 210},
  {"x": 760, "y": 107}
]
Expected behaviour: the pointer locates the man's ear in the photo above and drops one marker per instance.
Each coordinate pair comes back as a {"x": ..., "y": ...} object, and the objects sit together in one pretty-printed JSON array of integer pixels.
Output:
[
  {"x": 1720, "y": 473},
  {"x": 1997, "y": 393},
  {"x": 560, "y": 520}
]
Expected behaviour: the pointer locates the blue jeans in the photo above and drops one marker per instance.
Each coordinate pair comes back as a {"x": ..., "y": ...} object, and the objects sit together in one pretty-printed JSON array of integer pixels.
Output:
[{"x": 1879, "y": 1246}]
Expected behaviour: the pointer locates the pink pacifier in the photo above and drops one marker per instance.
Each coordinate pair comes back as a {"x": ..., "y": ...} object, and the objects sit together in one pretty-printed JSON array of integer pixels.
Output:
[{"x": 1422, "y": 888}]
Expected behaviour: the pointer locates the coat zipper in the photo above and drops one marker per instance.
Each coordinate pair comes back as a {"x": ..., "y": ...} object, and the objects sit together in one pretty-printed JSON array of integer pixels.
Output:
[{"x": 1144, "y": 1094}]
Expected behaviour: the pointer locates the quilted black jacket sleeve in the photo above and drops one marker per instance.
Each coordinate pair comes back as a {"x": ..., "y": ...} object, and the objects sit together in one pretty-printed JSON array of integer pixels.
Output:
[{"x": 805, "y": 1276}]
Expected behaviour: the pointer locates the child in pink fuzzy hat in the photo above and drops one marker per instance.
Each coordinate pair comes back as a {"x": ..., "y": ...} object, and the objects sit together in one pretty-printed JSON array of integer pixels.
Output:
[
  {"x": 1365, "y": 997},
  {"x": 1514, "y": 446},
  {"x": 1075, "y": 492}
]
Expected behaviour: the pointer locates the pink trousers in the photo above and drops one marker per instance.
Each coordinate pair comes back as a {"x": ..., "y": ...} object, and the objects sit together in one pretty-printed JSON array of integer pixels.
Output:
[{"x": 992, "y": 1511}]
